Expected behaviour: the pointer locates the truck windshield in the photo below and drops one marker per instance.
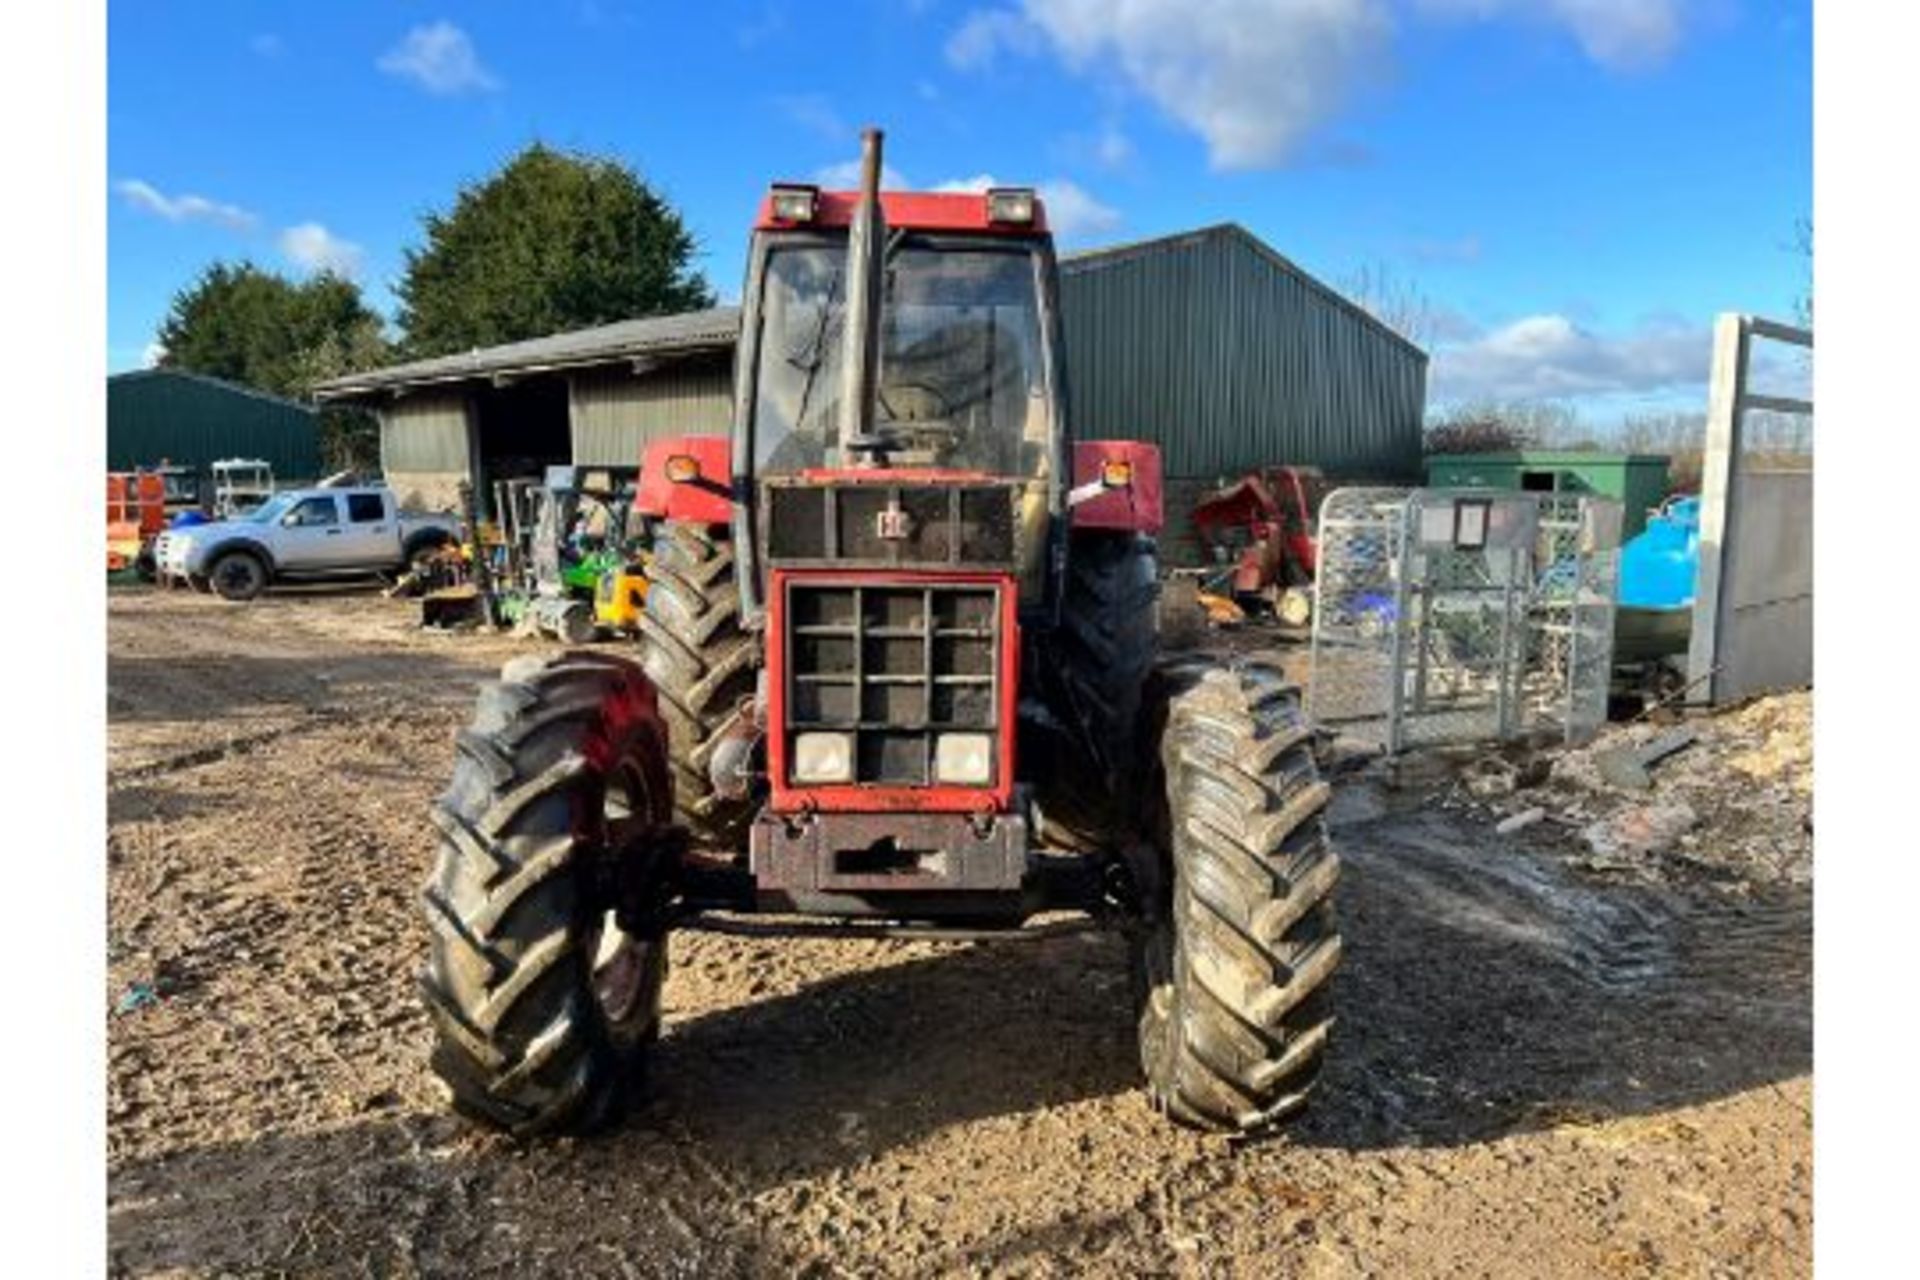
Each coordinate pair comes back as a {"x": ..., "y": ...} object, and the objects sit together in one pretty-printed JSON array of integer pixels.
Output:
[{"x": 962, "y": 382}]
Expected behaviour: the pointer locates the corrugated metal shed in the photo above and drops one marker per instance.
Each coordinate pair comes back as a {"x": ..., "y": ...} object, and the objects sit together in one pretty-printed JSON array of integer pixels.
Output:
[
  {"x": 615, "y": 413},
  {"x": 193, "y": 420},
  {"x": 425, "y": 433},
  {"x": 603, "y": 344},
  {"x": 1228, "y": 356},
  {"x": 1208, "y": 343}
]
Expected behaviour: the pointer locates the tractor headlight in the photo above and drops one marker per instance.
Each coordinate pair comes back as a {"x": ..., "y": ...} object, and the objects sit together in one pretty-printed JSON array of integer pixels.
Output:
[
  {"x": 964, "y": 759},
  {"x": 822, "y": 757}
]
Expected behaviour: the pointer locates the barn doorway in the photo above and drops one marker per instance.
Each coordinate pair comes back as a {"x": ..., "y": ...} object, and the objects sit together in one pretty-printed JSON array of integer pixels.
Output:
[{"x": 522, "y": 429}]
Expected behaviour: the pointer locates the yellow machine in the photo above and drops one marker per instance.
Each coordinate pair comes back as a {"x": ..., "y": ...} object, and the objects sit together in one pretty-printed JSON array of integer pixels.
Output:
[{"x": 620, "y": 597}]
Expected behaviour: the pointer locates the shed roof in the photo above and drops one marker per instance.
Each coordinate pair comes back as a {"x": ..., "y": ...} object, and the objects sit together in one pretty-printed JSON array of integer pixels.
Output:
[
  {"x": 602, "y": 344},
  {"x": 132, "y": 376},
  {"x": 1113, "y": 254}
]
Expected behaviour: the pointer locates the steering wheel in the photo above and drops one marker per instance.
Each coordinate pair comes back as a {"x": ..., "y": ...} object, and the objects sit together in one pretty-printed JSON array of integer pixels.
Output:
[{"x": 933, "y": 407}]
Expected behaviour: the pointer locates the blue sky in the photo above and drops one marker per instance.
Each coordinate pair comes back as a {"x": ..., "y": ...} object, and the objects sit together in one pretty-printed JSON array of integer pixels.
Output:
[{"x": 1574, "y": 186}]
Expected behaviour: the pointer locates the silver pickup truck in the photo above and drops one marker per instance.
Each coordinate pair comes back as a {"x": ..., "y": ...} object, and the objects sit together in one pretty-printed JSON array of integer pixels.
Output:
[{"x": 300, "y": 533}]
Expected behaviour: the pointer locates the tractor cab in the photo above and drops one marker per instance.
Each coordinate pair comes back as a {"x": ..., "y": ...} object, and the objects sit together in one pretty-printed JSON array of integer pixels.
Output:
[{"x": 942, "y": 442}]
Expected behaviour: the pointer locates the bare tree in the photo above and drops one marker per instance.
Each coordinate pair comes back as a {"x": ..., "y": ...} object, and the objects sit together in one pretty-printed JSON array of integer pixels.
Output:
[
  {"x": 1492, "y": 426},
  {"x": 1395, "y": 301},
  {"x": 1803, "y": 246}
]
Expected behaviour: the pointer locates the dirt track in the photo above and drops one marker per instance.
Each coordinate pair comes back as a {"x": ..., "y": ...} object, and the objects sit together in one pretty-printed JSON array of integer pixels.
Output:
[{"x": 1536, "y": 1072}]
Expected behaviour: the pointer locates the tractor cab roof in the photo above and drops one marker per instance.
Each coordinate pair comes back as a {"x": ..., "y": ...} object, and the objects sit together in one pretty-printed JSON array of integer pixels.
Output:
[{"x": 914, "y": 210}]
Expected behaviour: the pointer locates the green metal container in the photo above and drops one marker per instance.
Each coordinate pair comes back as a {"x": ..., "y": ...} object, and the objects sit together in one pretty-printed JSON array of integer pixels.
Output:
[{"x": 1638, "y": 480}]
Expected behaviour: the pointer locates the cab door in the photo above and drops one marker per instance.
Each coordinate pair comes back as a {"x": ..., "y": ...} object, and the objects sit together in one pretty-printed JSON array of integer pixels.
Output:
[
  {"x": 372, "y": 534},
  {"x": 311, "y": 534}
]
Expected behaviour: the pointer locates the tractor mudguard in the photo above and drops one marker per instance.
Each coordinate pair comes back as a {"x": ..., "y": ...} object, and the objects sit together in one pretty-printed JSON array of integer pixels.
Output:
[
  {"x": 704, "y": 497},
  {"x": 1136, "y": 508}
]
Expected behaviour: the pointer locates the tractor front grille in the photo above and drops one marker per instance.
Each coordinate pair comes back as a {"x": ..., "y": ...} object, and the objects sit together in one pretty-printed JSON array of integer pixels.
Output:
[
  {"x": 894, "y": 665},
  {"x": 968, "y": 526}
]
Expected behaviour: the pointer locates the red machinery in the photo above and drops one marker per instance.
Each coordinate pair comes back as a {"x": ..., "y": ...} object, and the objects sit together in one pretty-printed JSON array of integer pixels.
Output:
[
  {"x": 898, "y": 675},
  {"x": 1267, "y": 521},
  {"x": 136, "y": 512}
]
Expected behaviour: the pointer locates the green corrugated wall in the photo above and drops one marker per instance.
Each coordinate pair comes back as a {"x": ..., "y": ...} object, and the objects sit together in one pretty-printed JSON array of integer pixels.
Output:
[
  {"x": 1229, "y": 359},
  {"x": 156, "y": 414}
]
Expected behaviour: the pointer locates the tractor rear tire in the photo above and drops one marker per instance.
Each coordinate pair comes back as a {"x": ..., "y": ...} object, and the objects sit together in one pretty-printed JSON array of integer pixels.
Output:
[
  {"x": 1232, "y": 976},
  {"x": 1102, "y": 654},
  {"x": 542, "y": 1006},
  {"x": 704, "y": 665}
]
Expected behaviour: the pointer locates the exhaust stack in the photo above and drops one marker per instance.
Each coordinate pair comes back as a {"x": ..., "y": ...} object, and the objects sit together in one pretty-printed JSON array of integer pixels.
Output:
[{"x": 860, "y": 340}]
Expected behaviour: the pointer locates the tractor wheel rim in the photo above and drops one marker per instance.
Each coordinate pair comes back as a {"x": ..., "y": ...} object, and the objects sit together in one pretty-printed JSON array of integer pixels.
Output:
[
  {"x": 619, "y": 970},
  {"x": 618, "y": 963}
]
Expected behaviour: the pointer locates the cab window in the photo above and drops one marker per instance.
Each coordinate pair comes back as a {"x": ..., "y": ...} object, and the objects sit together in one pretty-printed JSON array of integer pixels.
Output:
[
  {"x": 366, "y": 508},
  {"x": 311, "y": 512}
]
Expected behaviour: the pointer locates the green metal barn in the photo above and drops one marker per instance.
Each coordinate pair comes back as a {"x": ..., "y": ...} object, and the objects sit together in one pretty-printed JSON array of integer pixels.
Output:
[
  {"x": 1208, "y": 343},
  {"x": 193, "y": 420}
]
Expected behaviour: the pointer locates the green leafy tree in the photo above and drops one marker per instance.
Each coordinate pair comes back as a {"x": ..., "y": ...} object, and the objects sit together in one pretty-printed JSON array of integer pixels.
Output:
[
  {"x": 262, "y": 330},
  {"x": 551, "y": 242}
]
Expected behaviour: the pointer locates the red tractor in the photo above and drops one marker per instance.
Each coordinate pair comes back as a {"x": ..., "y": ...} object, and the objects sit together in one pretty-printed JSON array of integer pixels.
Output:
[{"x": 897, "y": 676}]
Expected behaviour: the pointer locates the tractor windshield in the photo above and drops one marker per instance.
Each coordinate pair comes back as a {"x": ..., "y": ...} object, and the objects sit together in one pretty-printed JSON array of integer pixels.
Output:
[{"x": 962, "y": 381}]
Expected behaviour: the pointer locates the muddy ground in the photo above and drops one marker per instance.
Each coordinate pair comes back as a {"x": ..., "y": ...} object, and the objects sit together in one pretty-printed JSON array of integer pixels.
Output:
[{"x": 1541, "y": 1068}]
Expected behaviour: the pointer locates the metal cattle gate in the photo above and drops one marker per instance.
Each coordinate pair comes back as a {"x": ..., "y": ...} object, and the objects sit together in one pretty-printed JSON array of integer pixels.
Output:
[{"x": 1453, "y": 616}]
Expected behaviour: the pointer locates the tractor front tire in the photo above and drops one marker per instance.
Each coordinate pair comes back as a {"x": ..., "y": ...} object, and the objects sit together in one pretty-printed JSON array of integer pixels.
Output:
[
  {"x": 703, "y": 663},
  {"x": 542, "y": 1005},
  {"x": 1232, "y": 973}
]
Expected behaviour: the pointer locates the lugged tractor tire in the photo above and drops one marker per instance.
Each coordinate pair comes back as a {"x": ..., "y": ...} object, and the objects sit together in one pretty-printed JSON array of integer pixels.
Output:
[
  {"x": 703, "y": 663},
  {"x": 542, "y": 1006},
  {"x": 1102, "y": 653},
  {"x": 1234, "y": 1007}
]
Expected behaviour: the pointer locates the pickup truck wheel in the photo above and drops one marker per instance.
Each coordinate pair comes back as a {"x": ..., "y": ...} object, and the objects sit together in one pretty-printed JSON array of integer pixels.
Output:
[
  {"x": 422, "y": 548},
  {"x": 238, "y": 575}
]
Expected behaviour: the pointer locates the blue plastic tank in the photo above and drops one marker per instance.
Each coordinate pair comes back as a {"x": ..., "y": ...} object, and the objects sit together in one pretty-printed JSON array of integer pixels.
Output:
[{"x": 1658, "y": 565}]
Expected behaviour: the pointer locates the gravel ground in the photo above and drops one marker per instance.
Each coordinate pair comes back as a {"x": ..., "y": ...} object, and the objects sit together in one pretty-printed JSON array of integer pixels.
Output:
[{"x": 1539, "y": 1069}]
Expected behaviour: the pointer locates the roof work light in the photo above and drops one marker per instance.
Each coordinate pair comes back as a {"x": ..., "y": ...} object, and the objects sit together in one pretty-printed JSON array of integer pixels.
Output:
[
  {"x": 1010, "y": 204},
  {"x": 794, "y": 203}
]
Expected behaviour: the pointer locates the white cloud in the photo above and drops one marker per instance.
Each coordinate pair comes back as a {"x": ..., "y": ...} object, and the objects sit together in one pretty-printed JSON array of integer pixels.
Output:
[
  {"x": 1549, "y": 357},
  {"x": 152, "y": 354},
  {"x": 1072, "y": 213},
  {"x": 1251, "y": 77},
  {"x": 1114, "y": 149},
  {"x": 845, "y": 176},
  {"x": 312, "y": 247},
  {"x": 1256, "y": 78},
  {"x": 440, "y": 58},
  {"x": 976, "y": 43},
  {"x": 1624, "y": 35},
  {"x": 183, "y": 208}
]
